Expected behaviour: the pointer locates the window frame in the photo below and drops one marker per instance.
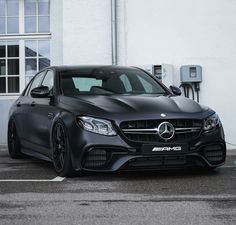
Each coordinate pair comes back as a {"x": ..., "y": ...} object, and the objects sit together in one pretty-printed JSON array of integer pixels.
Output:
[
  {"x": 21, "y": 36},
  {"x": 37, "y": 57},
  {"x": 6, "y": 17},
  {"x": 37, "y": 16},
  {"x": 7, "y": 58}
]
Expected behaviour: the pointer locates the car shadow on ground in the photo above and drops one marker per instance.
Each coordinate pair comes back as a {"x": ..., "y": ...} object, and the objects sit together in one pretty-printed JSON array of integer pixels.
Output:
[{"x": 146, "y": 175}]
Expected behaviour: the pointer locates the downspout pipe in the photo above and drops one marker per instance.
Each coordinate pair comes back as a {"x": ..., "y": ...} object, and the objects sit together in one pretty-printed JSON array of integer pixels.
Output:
[{"x": 114, "y": 31}]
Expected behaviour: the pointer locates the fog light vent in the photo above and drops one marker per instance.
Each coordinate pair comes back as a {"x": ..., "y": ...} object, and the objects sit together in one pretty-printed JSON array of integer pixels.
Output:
[
  {"x": 214, "y": 153},
  {"x": 96, "y": 158}
]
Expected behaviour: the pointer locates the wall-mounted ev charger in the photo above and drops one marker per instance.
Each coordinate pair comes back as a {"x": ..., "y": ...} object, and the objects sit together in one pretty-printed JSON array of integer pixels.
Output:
[{"x": 191, "y": 77}]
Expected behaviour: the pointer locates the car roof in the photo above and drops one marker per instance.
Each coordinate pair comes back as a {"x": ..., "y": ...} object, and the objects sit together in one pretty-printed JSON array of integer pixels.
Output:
[{"x": 74, "y": 68}]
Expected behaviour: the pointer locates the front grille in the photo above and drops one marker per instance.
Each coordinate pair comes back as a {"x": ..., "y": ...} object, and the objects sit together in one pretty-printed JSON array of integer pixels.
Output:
[
  {"x": 214, "y": 153},
  {"x": 96, "y": 158},
  {"x": 146, "y": 130}
]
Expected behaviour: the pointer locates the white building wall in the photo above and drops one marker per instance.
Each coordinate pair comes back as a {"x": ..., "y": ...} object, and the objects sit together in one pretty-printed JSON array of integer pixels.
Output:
[
  {"x": 152, "y": 32},
  {"x": 56, "y": 28},
  {"x": 86, "y": 32},
  {"x": 5, "y": 104},
  {"x": 189, "y": 32}
]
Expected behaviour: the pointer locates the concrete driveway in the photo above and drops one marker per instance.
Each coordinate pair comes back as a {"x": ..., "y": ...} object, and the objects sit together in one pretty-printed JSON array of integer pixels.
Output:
[{"x": 31, "y": 193}]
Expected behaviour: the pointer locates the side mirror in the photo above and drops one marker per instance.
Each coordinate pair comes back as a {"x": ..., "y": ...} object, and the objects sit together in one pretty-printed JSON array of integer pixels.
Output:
[
  {"x": 40, "y": 92},
  {"x": 175, "y": 90}
]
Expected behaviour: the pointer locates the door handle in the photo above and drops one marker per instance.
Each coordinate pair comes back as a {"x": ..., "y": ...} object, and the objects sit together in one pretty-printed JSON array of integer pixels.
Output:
[
  {"x": 33, "y": 103},
  {"x": 18, "y": 104}
]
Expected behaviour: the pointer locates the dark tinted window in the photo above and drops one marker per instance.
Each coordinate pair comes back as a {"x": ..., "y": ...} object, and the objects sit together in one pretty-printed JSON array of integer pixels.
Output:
[
  {"x": 48, "y": 79},
  {"x": 35, "y": 83},
  {"x": 109, "y": 81}
]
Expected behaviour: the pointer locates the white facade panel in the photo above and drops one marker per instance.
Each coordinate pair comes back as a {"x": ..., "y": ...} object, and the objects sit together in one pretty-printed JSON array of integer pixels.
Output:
[
  {"x": 56, "y": 22},
  {"x": 5, "y": 105},
  {"x": 183, "y": 32},
  {"x": 86, "y": 32}
]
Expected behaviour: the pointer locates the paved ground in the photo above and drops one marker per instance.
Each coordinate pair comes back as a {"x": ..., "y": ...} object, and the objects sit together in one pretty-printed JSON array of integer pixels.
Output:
[{"x": 31, "y": 193}]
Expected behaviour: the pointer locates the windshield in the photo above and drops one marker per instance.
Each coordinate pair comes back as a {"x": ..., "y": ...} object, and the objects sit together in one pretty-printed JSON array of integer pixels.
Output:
[{"x": 108, "y": 81}]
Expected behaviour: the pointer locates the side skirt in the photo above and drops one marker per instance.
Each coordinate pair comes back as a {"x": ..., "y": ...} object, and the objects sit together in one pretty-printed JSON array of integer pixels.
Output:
[{"x": 35, "y": 154}]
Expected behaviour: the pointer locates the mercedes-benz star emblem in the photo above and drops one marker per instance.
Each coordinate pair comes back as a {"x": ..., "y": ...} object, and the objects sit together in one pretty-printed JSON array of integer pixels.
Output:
[{"x": 166, "y": 130}]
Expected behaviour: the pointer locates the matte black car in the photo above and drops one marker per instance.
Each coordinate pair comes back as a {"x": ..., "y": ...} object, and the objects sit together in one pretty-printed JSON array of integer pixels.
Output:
[{"x": 109, "y": 118}]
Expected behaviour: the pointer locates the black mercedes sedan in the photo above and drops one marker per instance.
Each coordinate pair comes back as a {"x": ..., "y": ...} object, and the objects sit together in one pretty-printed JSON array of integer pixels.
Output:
[{"x": 109, "y": 118}]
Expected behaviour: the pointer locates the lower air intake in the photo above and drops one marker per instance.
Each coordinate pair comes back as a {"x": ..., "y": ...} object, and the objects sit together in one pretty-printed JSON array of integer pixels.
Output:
[
  {"x": 214, "y": 153},
  {"x": 95, "y": 158}
]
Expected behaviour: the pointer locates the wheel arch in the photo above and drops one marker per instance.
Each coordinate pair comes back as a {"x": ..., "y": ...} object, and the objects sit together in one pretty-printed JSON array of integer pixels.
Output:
[{"x": 67, "y": 119}]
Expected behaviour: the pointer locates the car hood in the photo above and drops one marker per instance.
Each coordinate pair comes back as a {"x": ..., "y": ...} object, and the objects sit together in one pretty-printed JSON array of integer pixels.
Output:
[{"x": 107, "y": 106}]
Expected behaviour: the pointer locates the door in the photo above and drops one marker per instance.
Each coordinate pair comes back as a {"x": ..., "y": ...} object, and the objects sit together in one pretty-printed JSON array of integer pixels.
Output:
[
  {"x": 23, "y": 107},
  {"x": 41, "y": 116}
]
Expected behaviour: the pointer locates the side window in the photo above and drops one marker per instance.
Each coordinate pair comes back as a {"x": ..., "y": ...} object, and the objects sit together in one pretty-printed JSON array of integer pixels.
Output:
[
  {"x": 36, "y": 82},
  {"x": 28, "y": 87},
  {"x": 126, "y": 82},
  {"x": 48, "y": 79}
]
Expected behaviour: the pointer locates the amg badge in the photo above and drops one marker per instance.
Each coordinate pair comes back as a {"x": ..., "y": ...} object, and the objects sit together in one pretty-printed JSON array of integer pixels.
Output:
[{"x": 162, "y": 149}]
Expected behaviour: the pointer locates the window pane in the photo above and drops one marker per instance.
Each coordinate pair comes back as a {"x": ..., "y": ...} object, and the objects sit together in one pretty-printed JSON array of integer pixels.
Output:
[
  {"x": 12, "y": 49},
  {"x": 13, "y": 7},
  {"x": 48, "y": 79},
  {"x": 27, "y": 80},
  {"x": 43, "y": 63},
  {"x": 13, "y": 66},
  {"x": 43, "y": 7},
  {"x": 2, "y": 49},
  {"x": 13, "y": 85},
  {"x": 12, "y": 25},
  {"x": 2, "y": 7},
  {"x": 30, "y": 48},
  {"x": 2, "y": 26},
  {"x": 2, "y": 84},
  {"x": 30, "y": 24},
  {"x": 2, "y": 67},
  {"x": 30, "y": 66},
  {"x": 30, "y": 7},
  {"x": 37, "y": 80},
  {"x": 43, "y": 23},
  {"x": 44, "y": 48}
]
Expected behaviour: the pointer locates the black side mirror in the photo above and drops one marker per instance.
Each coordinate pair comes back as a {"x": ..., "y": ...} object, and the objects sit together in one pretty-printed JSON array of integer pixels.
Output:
[
  {"x": 175, "y": 90},
  {"x": 40, "y": 92}
]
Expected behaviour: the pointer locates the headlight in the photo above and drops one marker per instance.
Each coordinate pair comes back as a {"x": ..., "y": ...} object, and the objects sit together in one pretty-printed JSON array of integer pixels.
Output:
[
  {"x": 211, "y": 122},
  {"x": 98, "y": 126}
]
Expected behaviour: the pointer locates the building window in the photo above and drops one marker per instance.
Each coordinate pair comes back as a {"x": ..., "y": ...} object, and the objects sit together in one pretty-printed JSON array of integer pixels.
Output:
[
  {"x": 21, "y": 55},
  {"x": 9, "y": 67},
  {"x": 37, "y": 57},
  {"x": 9, "y": 16},
  {"x": 37, "y": 18}
]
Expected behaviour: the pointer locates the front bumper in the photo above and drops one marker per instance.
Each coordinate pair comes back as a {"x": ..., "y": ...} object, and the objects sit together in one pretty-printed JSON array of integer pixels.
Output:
[{"x": 101, "y": 153}]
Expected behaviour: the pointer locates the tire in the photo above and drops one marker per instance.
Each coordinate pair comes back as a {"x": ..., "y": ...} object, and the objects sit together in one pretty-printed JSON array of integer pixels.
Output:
[
  {"x": 13, "y": 141},
  {"x": 61, "y": 156}
]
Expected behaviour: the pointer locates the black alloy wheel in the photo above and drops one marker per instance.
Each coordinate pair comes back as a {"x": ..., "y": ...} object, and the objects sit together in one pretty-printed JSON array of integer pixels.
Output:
[
  {"x": 61, "y": 154},
  {"x": 14, "y": 147}
]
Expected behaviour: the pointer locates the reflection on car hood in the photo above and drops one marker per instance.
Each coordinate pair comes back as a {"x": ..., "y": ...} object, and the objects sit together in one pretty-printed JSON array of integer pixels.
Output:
[{"x": 118, "y": 104}]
